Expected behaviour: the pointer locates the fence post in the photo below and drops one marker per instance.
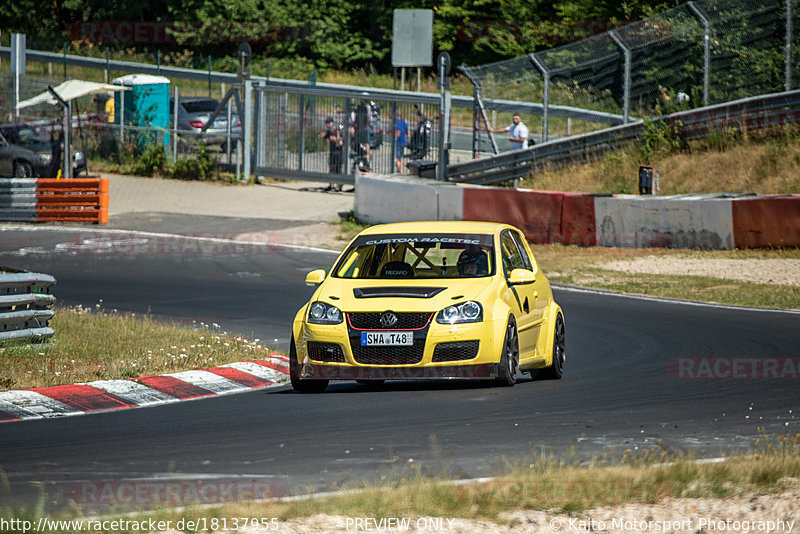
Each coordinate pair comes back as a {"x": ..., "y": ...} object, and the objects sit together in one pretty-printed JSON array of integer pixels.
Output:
[
  {"x": 261, "y": 129},
  {"x": 476, "y": 97},
  {"x": 393, "y": 138},
  {"x": 706, "y": 47},
  {"x": 626, "y": 83},
  {"x": 248, "y": 128},
  {"x": 348, "y": 108},
  {"x": 301, "y": 138},
  {"x": 175, "y": 107},
  {"x": 787, "y": 85},
  {"x": 545, "y": 94},
  {"x": 282, "y": 104}
]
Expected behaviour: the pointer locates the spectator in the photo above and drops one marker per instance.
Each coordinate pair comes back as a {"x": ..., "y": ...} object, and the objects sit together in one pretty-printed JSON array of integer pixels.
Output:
[
  {"x": 401, "y": 139},
  {"x": 333, "y": 136},
  {"x": 518, "y": 133}
]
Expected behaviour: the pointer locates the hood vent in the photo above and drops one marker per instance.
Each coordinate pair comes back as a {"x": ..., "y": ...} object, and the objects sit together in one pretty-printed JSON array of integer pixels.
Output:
[{"x": 403, "y": 292}]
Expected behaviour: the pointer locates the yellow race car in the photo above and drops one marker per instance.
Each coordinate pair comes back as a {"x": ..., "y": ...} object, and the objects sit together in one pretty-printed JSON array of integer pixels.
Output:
[{"x": 429, "y": 300}]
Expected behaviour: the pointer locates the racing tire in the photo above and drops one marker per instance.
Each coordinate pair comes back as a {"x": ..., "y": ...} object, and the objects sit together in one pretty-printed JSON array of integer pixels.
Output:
[
  {"x": 509, "y": 359},
  {"x": 23, "y": 169},
  {"x": 555, "y": 370},
  {"x": 299, "y": 385}
]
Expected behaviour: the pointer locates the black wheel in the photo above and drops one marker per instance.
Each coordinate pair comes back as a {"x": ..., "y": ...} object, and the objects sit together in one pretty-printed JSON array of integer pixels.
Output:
[
  {"x": 509, "y": 359},
  {"x": 299, "y": 385},
  {"x": 23, "y": 169},
  {"x": 556, "y": 369}
]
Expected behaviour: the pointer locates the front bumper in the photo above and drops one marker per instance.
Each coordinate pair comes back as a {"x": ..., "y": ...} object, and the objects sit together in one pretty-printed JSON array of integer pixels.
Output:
[{"x": 335, "y": 352}]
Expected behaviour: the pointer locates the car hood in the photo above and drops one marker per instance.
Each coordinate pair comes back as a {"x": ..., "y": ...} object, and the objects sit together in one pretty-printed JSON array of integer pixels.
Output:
[{"x": 400, "y": 295}]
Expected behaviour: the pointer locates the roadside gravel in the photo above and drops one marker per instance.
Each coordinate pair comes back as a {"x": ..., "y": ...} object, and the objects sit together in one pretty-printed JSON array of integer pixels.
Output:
[{"x": 754, "y": 514}]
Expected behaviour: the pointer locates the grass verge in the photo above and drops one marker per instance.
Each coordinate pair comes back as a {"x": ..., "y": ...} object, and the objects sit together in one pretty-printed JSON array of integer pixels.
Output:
[
  {"x": 548, "y": 485},
  {"x": 94, "y": 344},
  {"x": 584, "y": 267}
]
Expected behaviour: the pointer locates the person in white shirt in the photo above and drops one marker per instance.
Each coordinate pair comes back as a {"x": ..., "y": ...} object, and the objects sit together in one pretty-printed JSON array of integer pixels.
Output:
[{"x": 517, "y": 133}]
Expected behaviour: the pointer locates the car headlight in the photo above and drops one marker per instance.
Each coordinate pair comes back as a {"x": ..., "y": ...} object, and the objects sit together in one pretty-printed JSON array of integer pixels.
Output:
[
  {"x": 321, "y": 313},
  {"x": 467, "y": 312},
  {"x": 45, "y": 157}
]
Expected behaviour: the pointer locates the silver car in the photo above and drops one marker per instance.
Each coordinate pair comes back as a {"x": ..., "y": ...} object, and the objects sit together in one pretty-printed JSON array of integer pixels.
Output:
[{"x": 193, "y": 114}]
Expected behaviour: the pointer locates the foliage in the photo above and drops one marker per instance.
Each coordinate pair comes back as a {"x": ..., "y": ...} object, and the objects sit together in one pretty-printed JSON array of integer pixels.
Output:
[
  {"x": 196, "y": 166},
  {"x": 330, "y": 33},
  {"x": 660, "y": 137},
  {"x": 152, "y": 161}
]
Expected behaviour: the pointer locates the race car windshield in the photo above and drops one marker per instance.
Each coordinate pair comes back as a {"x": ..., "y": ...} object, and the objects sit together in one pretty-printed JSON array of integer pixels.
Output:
[{"x": 418, "y": 256}]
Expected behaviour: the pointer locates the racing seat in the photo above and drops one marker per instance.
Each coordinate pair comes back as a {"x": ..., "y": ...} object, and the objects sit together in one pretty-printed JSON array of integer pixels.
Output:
[{"x": 397, "y": 269}]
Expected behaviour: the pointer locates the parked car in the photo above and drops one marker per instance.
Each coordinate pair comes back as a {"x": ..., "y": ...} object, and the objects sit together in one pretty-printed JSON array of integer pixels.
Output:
[
  {"x": 429, "y": 300},
  {"x": 193, "y": 114},
  {"x": 48, "y": 152},
  {"x": 20, "y": 162}
]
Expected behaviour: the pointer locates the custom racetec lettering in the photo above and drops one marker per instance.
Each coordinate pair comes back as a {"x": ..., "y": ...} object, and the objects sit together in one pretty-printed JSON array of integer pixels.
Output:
[
  {"x": 423, "y": 239},
  {"x": 419, "y": 240}
]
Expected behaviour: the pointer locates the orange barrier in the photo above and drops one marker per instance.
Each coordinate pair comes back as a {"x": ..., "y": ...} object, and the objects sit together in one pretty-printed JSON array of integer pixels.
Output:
[
  {"x": 536, "y": 213},
  {"x": 73, "y": 200},
  {"x": 766, "y": 222},
  {"x": 578, "y": 220}
]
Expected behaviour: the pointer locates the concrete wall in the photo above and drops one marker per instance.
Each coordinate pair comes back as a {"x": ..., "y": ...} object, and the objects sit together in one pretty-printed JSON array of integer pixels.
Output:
[
  {"x": 713, "y": 222},
  {"x": 388, "y": 199},
  {"x": 693, "y": 222}
]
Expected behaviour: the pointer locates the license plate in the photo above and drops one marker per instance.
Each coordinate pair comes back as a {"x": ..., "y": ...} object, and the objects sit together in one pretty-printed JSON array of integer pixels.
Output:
[{"x": 387, "y": 338}]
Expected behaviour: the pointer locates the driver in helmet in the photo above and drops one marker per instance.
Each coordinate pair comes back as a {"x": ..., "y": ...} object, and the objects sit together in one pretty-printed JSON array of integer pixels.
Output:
[{"x": 472, "y": 262}]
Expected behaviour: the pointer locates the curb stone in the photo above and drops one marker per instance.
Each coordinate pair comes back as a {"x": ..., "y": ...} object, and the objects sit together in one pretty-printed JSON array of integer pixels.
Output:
[{"x": 104, "y": 395}]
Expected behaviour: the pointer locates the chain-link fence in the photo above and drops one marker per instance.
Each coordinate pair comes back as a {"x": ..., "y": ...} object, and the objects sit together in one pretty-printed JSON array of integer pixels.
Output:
[
  {"x": 700, "y": 53},
  {"x": 315, "y": 134}
]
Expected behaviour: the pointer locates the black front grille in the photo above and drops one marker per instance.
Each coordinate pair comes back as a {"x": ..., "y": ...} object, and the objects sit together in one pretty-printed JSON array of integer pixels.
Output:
[
  {"x": 455, "y": 351},
  {"x": 325, "y": 352},
  {"x": 403, "y": 355},
  {"x": 405, "y": 321}
]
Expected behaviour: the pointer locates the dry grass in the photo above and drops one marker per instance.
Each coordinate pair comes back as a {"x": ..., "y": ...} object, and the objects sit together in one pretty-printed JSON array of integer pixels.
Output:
[
  {"x": 93, "y": 344},
  {"x": 751, "y": 165},
  {"x": 582, "y": 266},
  {"x": 537, "y": 483}
]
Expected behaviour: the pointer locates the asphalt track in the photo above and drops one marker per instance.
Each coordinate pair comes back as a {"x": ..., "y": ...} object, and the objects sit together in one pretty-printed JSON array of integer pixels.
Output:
[{"x": 620, "y": 390}]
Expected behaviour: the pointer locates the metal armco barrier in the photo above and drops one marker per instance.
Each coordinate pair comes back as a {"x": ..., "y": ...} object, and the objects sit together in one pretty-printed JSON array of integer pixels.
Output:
[
  {"x": 25, "y": 306},
  {"x": 747, "y": 114},
  {"x": 50, "y": 200}
]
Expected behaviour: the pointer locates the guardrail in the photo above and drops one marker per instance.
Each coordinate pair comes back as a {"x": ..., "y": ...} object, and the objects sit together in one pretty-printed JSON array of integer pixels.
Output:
[
  {"x": 25, "y": 306},
  {"x": 747, "y": 114},
  {"x": 51, "y": 200}
]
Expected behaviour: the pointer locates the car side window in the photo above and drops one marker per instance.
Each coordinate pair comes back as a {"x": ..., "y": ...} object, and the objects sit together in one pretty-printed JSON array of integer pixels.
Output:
[
  {"x": 526, "y": 261},
  {"x": 512, "y": 259}
]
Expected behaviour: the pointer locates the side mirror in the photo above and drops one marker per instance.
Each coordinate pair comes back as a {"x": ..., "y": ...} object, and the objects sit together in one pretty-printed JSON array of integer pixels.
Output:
[
  {"x": 521, "y": 276},
  {"x": 315, "y": 278}
]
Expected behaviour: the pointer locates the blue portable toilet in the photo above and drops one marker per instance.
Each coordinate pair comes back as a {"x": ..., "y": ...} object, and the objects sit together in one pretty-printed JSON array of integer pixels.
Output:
[{"x": 146, "y": 105}]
